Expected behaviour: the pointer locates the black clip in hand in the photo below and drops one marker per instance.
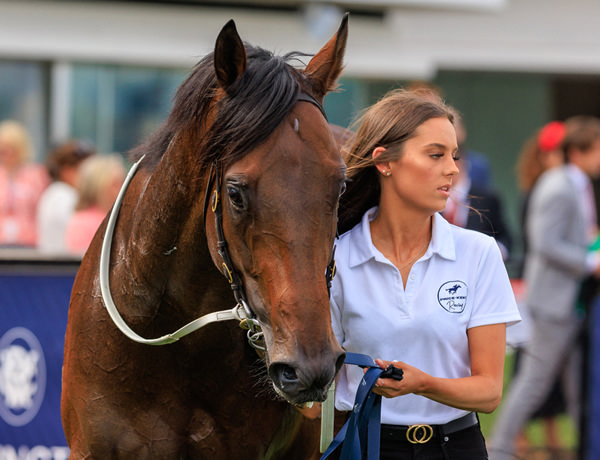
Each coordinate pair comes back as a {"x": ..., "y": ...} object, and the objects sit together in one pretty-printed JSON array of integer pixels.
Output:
[{"x": 392, "y": 372}]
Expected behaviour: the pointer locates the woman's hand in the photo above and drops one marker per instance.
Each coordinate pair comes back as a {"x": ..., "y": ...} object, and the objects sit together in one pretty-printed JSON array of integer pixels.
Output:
[
  {"x": 479, "y": 392},
  {"x": 413, "y": 381}
]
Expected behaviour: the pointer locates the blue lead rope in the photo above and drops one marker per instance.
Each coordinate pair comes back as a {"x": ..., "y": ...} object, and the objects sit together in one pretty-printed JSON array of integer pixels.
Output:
[{"x": 362, "y": 430}]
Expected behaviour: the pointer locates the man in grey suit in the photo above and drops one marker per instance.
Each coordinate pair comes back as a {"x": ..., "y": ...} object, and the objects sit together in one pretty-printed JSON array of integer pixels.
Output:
[{"x": 561, "y": 224}]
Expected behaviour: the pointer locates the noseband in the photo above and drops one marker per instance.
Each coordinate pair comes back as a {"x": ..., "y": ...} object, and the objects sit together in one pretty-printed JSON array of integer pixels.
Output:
[{"x": 241, "y": 312}]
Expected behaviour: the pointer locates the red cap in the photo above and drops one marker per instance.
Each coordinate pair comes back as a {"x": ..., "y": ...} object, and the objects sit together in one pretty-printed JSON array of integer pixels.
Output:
[{"x": 551, "y": 135}]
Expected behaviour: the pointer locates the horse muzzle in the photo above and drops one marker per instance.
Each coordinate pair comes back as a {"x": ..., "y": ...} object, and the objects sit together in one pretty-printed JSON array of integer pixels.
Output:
[{"x": 306, "y": 381}]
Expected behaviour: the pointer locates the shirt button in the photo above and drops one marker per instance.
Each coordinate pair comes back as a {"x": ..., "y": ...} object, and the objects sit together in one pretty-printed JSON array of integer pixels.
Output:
[{"x": 412, "y": 277}]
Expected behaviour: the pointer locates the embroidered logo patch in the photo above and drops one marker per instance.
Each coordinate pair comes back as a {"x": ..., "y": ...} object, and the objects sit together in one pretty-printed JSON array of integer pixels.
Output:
[{"x": 452, "y": 296}]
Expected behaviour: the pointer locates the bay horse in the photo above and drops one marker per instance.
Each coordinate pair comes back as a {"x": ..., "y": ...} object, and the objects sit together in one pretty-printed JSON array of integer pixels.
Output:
[{"x": 242, "y": 180}]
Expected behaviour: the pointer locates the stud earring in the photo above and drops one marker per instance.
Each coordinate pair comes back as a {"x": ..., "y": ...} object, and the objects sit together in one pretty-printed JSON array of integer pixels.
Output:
[{"x": 387, "y": 173}]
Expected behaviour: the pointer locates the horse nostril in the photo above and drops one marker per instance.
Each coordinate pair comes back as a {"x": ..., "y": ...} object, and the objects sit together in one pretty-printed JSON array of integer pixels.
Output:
[
  {"x": 307, "y": 381},
  {"x": 288, "y": 374},
  {"x": 283, "y": 375}
]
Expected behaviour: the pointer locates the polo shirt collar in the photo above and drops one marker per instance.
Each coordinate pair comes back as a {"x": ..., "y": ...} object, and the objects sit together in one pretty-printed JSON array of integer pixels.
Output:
[
  {"x": 442, "y": 238},
  {"x": 363, "y": 249}
]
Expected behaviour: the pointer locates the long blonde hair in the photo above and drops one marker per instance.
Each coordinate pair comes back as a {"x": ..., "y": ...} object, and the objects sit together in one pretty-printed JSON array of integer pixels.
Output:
[
  {"x": 96, "y": 174},
  {"x": 15, "y": 134}
]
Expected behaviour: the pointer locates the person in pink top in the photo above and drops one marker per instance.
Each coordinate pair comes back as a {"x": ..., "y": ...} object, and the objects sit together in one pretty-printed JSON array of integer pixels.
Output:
[
  {"x": 101, "y": 177},
  {"x": 21, "y": 185}
]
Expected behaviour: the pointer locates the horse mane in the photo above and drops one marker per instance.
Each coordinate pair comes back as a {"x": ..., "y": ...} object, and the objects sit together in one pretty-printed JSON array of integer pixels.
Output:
[
  {"x": 362, "y": 193},
  {"x": 247, "y": 114}
]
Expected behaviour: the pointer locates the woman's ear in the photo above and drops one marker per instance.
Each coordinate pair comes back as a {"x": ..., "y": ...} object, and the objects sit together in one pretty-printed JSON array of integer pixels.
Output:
[{"x": 382, "y": 167}]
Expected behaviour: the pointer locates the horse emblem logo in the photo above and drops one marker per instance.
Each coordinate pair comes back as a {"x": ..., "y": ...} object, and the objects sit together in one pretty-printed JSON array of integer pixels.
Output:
[
  {"x": 452, "y": 296},
  {"x": 22, "y": 376}
]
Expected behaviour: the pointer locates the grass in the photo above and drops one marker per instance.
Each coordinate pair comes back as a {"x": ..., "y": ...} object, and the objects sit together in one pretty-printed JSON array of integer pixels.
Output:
[{"x": 534, "y": 429}]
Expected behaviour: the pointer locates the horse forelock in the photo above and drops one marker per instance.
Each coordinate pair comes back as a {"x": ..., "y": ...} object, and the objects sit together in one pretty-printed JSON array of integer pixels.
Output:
[{"x": 239, "y": 121}]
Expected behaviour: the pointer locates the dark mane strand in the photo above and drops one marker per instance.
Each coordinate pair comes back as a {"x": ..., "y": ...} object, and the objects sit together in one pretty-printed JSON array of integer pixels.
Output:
[
  {"x": 362, "y": 193},
  {"x": 256, "y": 104}
]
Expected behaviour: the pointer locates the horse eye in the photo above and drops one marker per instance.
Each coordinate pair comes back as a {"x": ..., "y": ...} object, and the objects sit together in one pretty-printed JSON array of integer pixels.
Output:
[
  {"x": 343, "y": 188},
  {"x": 236, "y": 197}
]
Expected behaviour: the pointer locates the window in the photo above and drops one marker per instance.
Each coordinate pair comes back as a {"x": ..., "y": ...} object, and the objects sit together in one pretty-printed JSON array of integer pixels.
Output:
[
  {"x": 117, "y": 107},
  {"x": 23, "y": 98}
]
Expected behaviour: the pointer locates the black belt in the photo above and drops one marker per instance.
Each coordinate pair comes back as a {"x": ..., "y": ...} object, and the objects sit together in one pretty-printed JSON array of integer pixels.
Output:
[{"x": 420, "y": 434}]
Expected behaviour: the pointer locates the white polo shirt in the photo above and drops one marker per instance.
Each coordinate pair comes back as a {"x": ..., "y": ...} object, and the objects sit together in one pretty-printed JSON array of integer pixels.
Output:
[{"x": 459, "y": 283}]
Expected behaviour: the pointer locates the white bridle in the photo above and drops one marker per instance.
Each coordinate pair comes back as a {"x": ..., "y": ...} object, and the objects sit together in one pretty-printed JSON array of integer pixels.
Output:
[{"x": 241, "y": 312}]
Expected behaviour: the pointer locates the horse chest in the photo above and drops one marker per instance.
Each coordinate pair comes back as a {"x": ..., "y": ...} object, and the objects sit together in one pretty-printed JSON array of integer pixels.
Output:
[{"x": 281, "y": 434}]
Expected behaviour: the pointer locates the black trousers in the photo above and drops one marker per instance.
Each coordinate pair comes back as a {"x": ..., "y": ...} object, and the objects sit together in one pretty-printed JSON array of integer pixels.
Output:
[{"x": 467, "y": 444}]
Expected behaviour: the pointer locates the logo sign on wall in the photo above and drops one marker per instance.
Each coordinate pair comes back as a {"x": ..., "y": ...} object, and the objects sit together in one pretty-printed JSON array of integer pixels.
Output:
[
  {"x": 33, "y": 319},
  {"x": 22, "y": 376}
]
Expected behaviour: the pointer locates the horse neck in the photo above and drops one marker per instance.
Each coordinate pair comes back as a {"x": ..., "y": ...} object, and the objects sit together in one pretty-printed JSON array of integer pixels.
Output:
[{"x": 165, "y": 243}]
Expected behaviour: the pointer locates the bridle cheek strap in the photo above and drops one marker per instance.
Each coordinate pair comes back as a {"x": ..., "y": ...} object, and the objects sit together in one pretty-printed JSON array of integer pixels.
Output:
[{"x": 255, "y": 335}]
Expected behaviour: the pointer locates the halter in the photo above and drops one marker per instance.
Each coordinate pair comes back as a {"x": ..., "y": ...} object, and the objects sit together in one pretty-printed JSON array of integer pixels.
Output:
[{"x": 241, "y": 312}]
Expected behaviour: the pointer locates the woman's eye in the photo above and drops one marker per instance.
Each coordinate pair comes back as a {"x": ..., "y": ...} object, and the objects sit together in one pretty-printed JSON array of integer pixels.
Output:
[{"x": 236, "y": 197}]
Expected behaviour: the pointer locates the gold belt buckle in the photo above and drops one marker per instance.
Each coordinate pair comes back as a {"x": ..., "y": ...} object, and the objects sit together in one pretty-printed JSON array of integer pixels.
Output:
[{"x": 419, "y": 434}]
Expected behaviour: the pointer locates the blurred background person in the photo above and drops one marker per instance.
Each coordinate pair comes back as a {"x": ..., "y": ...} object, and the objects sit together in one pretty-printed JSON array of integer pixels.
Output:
[
  {"x": 475, "y": 164},
  {"x": 58, "y": 201},
  {"x": 100, "y": 180},
  {"x": 561, "y": 225},
  {"x": 540, "y": 152},
  {"x": 21, "y": 184}
]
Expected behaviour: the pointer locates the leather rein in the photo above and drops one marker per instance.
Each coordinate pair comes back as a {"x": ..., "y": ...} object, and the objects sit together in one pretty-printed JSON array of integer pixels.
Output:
[{"x": 241, "y": 312}]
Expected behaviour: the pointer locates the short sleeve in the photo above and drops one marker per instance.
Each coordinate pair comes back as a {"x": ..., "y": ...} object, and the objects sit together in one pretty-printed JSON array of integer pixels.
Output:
[{"x": 494, "y": 300}]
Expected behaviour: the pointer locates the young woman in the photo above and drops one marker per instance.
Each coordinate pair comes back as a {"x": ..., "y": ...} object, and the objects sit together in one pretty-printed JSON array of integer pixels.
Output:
[{"x": 415, "y": 291}]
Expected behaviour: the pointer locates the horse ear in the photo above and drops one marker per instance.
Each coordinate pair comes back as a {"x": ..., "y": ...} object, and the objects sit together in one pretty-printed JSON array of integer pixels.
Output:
[
  {"x": 229, "y": 56},
  {"x": 326, "y": 66}
]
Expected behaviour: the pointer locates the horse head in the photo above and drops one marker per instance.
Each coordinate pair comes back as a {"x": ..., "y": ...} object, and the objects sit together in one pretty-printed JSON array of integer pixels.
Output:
[
  {"x": 245, "y": 175},
  {"x": 278, "y": 212}
]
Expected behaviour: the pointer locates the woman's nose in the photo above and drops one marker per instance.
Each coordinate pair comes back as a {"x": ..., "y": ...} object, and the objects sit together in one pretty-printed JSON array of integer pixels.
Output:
[{"x": 453, "y": 170}]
